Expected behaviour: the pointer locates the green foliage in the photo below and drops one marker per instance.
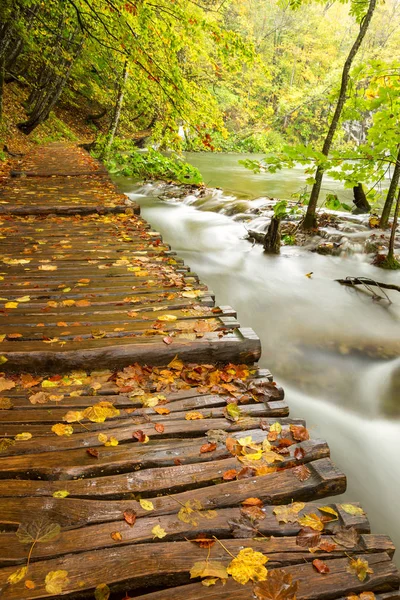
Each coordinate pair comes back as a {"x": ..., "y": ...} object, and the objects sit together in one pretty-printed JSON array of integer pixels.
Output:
[
  {"x": 125, "y": 159},
  {"x": 289, "y": 240},
  {"x": 332, "y": 202},
  {"x": 280, "y": 208}
]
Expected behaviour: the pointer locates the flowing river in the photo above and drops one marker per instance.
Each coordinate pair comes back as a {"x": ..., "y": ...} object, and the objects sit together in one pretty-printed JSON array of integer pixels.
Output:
[{"x": 334, "y": 350}]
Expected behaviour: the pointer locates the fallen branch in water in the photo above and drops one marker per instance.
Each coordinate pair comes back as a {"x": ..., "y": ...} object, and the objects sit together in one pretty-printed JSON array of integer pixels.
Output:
[
  {"x": 368, "y": 283},
  {"x": 365, "y": 280}
]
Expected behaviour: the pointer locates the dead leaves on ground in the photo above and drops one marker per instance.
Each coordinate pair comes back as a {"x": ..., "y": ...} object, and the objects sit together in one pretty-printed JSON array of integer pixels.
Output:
[{"x": 278, "y": 586}]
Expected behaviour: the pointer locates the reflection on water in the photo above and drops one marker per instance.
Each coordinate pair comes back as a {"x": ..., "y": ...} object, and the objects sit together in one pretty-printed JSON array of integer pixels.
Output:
[
  {"x": 223, "y": 170},
  {"x": 315, "y": 335}
]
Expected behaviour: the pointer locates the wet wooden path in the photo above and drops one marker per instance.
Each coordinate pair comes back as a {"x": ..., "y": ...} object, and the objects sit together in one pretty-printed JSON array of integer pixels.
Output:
[{"x": 143, "y": 454}]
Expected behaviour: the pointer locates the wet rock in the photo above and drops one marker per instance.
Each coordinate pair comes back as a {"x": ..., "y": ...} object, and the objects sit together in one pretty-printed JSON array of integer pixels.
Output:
[{"x": 328, "y": 248}]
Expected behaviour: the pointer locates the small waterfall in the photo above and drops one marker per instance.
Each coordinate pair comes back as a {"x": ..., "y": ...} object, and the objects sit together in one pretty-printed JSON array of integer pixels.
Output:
[{"x": 379, "y": 389}]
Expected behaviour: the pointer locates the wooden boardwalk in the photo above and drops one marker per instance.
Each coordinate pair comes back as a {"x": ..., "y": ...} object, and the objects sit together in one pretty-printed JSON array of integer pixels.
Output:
[{"x": 143, "y": 454}]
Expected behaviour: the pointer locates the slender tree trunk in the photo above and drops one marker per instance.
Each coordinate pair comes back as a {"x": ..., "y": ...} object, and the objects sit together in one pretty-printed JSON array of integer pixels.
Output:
[
  {"x": 310, "y": 218},
  {"x": 2, "y": 76},
  {"x": 117, "y": 110},
  {"x": 47, "y": 97},
  {"x": 391, "y": 193},
  {"x": 390, "y": 255}
]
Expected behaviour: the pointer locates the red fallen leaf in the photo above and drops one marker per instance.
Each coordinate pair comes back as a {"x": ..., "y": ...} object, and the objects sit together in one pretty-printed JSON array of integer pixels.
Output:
[
  {"x": 299, "y": 454},
  {"x": 285, "y": 442},
  {"x": 93, "y": 452},
  {"x": 246, "y": 473},
  {"x": 159, "y": 427},
  {"x": 229, "y": 475},
  {"x": 272, "y": 436},
  {"x": 302, "y": 472},
  {"x": 299, "y": 433},
  {"x": 252, "y": 502},
  {"x": 177, "y": 462},
  {"x": 327, "y": 546},
  {"x": 130, "y": 517},
  {"x": 203, "y": 540},
  {"x": 168, "y": 340},
  {"x": 208, "y": 448},
  {"x": 139, "y": 435},
  {"x": 320, "y": 566}
]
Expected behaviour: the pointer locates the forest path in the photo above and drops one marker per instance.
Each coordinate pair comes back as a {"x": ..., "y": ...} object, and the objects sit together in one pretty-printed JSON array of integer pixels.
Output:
[{"x": 105, "y": 461}]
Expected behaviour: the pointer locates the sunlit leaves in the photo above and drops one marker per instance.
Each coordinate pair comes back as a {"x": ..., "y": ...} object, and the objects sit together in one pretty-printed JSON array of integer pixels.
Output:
[
  {"x": 23, "y": 437},
  {"x": 311, "y": 520},
  {"x": 101, "y": 411},
  {"x": 360, "y": 568},
  {"x": 353, "y": 510},
  {"x": 56, "y": 581},
  {"x": 60, "y": 494},
  {"x": 209, "y": 568},
  {"x": 17, "y": 576},
  {"x": 5, "y": 444},
  {"x": 158, "y": 532},
  {"x": 146, "y": 504},
  {"x": 248, "y": 565},
  {"x": 193, "y": 511},
  {"x": 5, "y": 404},
  {"x": 6, "y": 384},
  {"x": 62, "y": 429},
  {"x": 288, "y": 513}
]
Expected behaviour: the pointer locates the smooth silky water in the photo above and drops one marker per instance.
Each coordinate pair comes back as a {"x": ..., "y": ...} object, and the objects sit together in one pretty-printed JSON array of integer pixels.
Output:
[{"x": 323, "y": 342}]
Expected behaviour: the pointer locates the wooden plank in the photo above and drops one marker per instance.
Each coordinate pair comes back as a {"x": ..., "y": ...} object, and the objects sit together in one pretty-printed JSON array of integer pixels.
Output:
[
  {"x": 242, "y": 346},
  {"x": 66, "y": 464},
  {"x": 276, "y": 488},
  {"x": 173, "y": 428},
  {"x": 166, "y": 565},
  {"x": 282, "y": 550},
  {"x": 173, "y": 478}
]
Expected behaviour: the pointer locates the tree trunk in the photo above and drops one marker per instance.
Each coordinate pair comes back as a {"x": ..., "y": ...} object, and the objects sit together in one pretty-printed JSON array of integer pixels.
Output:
[
  {"x": 391, "y": 194},
  {"x": 310, "y": 218},
  {"x": 2, "y": 75},
  {"x": 47, "y": 97},
  {"x": 360, "y": 199},
  {"x": 272, "y": 241},
  {"x": 390, "y": 256},
  {"x": 117, "y": 110}
]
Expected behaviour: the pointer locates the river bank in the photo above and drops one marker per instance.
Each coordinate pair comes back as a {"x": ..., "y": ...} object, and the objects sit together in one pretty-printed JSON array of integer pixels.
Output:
[{"x": 339, "y": 234}]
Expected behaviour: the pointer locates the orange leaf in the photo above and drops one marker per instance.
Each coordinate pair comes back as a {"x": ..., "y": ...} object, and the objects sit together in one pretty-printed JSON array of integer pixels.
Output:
[
  {"x": 320, "y": 566},
  {"x": 229, "y": 475},
  {"x": 208, "y": 448},
  {"x": 252, "y": 502},
  {"x": 130, "y": 517},
  {"x": 161, "y": 411}
]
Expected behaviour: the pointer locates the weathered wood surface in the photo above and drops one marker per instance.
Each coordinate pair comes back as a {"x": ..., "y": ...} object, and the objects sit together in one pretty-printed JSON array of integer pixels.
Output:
[
  {"x": 100, "y": 290},
  {"x": 197, "y": 433}
]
